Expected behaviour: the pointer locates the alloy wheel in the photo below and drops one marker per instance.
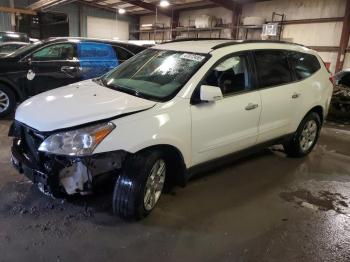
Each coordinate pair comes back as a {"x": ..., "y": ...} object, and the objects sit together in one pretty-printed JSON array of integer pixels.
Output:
[
  {"x": 308, "y": 135},
  {"x": 154, "y": 184},
  {"x": 4, "y": 102}
]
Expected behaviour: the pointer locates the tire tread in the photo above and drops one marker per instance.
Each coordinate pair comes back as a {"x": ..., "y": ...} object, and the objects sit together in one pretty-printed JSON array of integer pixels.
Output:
[{"x": 127, "y": 197}]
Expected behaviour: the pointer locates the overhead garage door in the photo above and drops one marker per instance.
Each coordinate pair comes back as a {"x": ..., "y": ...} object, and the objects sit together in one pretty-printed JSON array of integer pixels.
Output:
[{"x": 107, "y": 28}]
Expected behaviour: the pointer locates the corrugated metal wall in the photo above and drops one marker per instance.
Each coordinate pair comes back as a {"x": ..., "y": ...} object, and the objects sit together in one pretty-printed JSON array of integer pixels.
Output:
[
  {"x": 5, "y": 19},
  {"x": 315, "y": 34},
  {"x": 74, "y": 11},
  {"x": 89, "y": 11}
]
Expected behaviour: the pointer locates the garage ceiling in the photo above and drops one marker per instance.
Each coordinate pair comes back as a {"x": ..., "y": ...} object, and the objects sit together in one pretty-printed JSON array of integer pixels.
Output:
[{"x": 139, "y": 7}]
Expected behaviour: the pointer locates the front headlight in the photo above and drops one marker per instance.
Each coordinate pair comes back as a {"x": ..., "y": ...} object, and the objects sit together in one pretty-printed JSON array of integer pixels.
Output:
[{"x": 79, "y": 142}]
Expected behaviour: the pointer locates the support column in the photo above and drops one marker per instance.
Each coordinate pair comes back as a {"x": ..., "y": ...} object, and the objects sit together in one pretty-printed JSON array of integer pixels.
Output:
[
  {"x": 13, "y": 16},
  {"x": 236, "y": 14},
  {"x": 174, "y": 23},
  {"x": 344, "y": 40},
  {"x": 80, "y": 24}
]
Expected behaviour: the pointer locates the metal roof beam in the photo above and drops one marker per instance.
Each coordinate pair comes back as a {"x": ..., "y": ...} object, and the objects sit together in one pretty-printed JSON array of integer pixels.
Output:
[
  {"x": 228, "y": 4},
  {"x": 17, "y": 10},
  {"x": 103, "y": 7},
  {"x": 149, "y": 7},
  {"x": 43, "y": 4}
]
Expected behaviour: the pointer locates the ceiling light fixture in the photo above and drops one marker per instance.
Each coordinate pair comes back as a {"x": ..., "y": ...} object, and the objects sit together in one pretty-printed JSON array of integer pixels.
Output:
[
  {"x": 121, "y": 11},
  {"x": 164, "y": 3}
]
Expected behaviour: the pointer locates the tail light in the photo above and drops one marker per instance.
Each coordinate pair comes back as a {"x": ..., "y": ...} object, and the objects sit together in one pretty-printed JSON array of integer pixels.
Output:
[
  {"x": 331, "y": 77},
  {"x": 327, "y": 66}
]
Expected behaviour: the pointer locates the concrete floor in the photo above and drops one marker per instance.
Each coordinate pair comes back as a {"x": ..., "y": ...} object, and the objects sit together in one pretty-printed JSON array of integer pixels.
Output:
[{"x": 263, "y": 208}]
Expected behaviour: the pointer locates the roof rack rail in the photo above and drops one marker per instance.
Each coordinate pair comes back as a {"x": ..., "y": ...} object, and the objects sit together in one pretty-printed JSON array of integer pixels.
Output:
[
  {"x": 237, "y": 42},
  {"x": 194, "y": 39}
]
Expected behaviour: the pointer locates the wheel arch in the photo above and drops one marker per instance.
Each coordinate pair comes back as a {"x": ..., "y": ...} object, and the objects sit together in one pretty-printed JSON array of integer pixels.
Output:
[
  {"x": 175, "y": 157},
  {"x": 318, "y": 110},
  {"x": 17, "y": 93}
]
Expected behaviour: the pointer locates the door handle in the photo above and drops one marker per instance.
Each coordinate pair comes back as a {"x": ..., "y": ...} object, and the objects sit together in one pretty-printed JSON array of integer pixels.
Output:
[
  {"x": 296, "y": 95},
  {"x": 251, "y": 106},
  {"x": 68, "y": 69}
]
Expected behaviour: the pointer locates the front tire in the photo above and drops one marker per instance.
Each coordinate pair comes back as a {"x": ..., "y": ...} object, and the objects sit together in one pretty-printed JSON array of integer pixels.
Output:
[
  {"x": 140, "y": 185},
  {"x": 305, "y": 138},
  {"x": 7, "y": 101}
]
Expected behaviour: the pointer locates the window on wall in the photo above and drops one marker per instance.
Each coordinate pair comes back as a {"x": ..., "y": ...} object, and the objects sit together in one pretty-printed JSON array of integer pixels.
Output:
[
  {"x": 273, "y": 68},
  {"x": 232, "y": 75},
  {"x": 304, "y": 65},
  {"x": 64, "y": 51}
]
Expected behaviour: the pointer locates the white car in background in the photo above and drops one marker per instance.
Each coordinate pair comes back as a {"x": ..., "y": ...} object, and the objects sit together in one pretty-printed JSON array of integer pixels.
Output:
[{"x": 172, "y": 108}]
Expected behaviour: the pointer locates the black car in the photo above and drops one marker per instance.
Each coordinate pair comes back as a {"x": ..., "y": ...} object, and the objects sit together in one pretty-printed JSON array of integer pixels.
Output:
[{"x": 56, "y": 62}]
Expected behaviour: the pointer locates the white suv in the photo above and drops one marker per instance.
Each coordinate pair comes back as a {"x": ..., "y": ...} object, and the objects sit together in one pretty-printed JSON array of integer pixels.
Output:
[{"x": 169, "y": 109}]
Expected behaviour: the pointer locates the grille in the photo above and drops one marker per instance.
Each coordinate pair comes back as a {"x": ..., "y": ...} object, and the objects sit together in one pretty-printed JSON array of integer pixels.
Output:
[{"x": 30, "y": 141}]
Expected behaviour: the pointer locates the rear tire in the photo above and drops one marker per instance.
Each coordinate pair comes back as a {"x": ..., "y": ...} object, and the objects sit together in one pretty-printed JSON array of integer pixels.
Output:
[
  {"x": 7, "y": 101},
  {"x": 139, "y": 186},
  {"x": 305, "y": 138}
]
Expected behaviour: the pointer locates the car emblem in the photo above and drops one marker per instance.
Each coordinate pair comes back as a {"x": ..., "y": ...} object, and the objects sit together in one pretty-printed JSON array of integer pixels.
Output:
[{"x": 30, "y": 75}]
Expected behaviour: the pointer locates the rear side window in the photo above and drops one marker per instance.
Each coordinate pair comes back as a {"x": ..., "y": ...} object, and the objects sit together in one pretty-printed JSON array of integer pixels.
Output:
[
  {"x": 273, "y": 68},
  {"x": 96, "y": 51},
  {"x": 123, "y": 54},
  {"x": 304, "y": 65},
  {"x": 96, "y": 59}
]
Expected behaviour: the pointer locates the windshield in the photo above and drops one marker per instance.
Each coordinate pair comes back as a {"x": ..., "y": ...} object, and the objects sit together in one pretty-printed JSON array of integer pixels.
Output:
[{"x": 155, "y": 74}]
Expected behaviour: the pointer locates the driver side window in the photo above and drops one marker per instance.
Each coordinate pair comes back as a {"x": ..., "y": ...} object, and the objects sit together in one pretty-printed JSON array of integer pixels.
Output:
[
  {"x": 64, "y": 51},
  {"x": 232, "y": 75}
]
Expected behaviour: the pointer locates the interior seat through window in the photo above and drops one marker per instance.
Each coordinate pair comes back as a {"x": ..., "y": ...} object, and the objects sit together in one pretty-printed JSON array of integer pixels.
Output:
[{"x": 232, "y": 75}]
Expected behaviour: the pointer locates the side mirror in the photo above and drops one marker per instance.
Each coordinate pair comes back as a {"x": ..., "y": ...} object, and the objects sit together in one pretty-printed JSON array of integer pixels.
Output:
[{"x": 210, "y": 93}]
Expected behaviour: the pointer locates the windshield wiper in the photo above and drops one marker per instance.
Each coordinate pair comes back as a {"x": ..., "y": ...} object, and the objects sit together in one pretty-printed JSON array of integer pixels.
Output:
[
  {"x": 100, "y": 81},
  {"x": 122, "y": 89},
  {"x": 125, "y": 90}
]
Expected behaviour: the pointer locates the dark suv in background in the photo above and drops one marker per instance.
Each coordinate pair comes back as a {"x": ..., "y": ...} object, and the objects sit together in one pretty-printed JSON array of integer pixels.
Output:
[{"x": 56, "y": 62}]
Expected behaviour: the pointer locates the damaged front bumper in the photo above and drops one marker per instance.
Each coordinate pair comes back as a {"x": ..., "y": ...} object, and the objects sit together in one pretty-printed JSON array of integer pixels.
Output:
[{"x": 58, "y": 175}]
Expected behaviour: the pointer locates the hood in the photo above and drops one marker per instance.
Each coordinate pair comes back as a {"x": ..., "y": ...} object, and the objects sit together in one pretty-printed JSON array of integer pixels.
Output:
[{"x": 77, "y": 104}]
